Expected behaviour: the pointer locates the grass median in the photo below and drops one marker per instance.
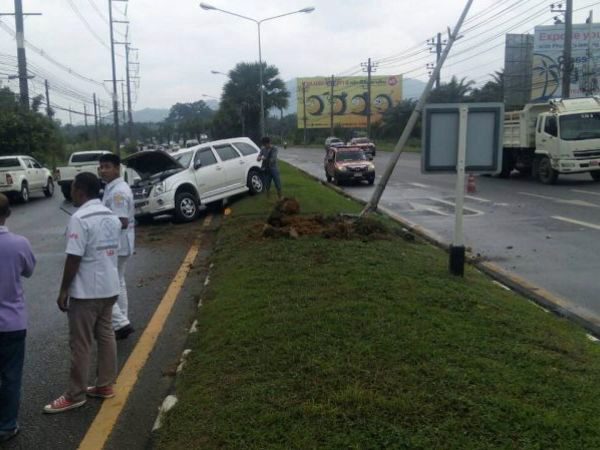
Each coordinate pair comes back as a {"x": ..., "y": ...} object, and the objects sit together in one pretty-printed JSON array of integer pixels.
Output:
[{"x": 370, "y": 343}]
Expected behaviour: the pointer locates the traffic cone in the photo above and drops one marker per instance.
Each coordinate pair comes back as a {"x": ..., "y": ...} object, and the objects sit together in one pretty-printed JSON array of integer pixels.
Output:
[{"x": 471, "y": 188}]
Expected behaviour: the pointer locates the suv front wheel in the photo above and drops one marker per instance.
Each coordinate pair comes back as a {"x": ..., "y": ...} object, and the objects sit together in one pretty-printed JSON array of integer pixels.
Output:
[
  {"x": 255, "y": 182},
  {"x": 186, "y": 207}
]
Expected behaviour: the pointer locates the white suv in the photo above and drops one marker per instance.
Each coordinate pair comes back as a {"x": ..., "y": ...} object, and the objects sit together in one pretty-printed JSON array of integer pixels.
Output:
[{"x": 180, "y": 182}]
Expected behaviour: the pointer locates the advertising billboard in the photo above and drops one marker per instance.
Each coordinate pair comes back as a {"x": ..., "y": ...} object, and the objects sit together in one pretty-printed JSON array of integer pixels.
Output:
[
  {"x": 349, "y": 100},
  {"x": 547, "y": 66}
]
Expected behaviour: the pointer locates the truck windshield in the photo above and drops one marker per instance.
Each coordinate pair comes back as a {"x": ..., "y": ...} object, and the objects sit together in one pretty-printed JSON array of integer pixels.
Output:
[
  {"x": 85, "y": 157},
  {"x": 350, "y": 156},
  {"x": 575, "y": 127}
]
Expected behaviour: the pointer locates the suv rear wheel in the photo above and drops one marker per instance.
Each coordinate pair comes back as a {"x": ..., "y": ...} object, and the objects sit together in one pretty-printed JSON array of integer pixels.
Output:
[
  {"x": 186, "y": 207},
  {"x": 49, "y": 189},
  {"x": 255, "y": 182},
  {"x": 66, "y": 191},
  {"x": 24, "y": 193}
]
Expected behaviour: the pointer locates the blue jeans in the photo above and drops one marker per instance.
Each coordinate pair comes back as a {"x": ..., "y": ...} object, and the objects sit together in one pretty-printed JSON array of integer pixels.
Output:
[
  {"x": 12, "y": 356},
  {"x": 272, "y": 173}
]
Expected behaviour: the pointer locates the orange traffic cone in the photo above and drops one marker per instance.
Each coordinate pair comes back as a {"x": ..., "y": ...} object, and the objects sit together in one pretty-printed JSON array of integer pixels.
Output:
[{"x": 471, "y": 188}]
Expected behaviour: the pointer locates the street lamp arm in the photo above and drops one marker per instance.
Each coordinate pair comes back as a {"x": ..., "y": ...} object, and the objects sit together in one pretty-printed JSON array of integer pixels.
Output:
[
  {"x": 305, "y": 10},
  {"x": 234, "y": 14}
]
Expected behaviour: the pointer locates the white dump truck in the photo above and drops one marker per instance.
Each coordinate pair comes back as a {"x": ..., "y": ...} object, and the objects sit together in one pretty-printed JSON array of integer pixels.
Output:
[{"x": 560, "y": 137}]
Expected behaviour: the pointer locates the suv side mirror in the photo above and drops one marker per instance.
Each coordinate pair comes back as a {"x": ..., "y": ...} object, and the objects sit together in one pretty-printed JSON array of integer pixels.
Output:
[{"x": 197, "y": 165}]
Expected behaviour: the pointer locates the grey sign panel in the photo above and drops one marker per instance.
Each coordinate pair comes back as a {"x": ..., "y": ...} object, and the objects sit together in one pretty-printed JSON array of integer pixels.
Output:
[{"x": 484, "y": 137}]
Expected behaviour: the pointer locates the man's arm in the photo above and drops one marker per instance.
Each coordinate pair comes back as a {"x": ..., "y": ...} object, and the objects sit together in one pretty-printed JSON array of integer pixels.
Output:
[{"x": 69, "y": 272}]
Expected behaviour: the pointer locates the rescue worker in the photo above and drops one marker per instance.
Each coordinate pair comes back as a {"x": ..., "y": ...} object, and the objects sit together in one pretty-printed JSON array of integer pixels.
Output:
[
  {"x": 119, "y": 199},
  {"x": 89, "y": 289}
]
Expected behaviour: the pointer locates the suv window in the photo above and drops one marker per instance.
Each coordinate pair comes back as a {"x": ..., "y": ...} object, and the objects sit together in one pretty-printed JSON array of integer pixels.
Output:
[
  {"x": 550, "y": 126},
  {"x": 29, "y": 163},
  {"x": 245, "y": 148},
  {"x": 226, "y": 152},
  {"x": 9, "y": 162},
  {"x": 205, "y": 157},
  {"x": 85, "y": 157},
  {"x": 36, "y": 165}
]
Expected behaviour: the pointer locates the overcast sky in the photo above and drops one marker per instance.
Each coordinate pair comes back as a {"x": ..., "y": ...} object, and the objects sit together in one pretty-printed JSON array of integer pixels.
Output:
[{"x": 180, "y": 43}]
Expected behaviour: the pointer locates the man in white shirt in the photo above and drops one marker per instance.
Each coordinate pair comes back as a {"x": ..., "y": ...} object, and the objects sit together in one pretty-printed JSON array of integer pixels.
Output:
[
  {"x": 119, "y": 199},
  {"x": 89, "y": 289}
]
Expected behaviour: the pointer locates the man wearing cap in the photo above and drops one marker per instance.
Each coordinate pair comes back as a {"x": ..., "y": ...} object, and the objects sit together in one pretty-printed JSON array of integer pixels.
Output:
[
  {"x": 17, "y": 261},
  {"x": 88, "y": 291},
  {"x": 119, "y": 199}
]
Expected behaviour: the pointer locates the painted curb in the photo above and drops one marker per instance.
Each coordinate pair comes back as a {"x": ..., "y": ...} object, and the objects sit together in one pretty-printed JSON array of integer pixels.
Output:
[{"x": 558, "y": 305}]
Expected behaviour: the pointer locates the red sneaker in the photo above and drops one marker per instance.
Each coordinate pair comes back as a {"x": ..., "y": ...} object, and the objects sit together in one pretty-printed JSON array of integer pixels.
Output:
[
  {"x": 62, "y": 404},
  {"x": 101, "y": 391}
]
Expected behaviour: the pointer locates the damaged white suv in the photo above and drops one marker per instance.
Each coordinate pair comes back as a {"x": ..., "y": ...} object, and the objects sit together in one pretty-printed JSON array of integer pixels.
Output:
[{"x": 178, "y": 183}]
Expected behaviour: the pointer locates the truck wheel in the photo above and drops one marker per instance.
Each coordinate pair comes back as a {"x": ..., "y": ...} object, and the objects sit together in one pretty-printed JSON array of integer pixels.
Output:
[
  {"x": 255, "y": 182},
  {"x": 186, "y": 207},
  {"x": 24, "y": 193},
  {"x": 595, "y": 175},
  {"x": 328, "y": 177},
  {"x": 546, "y": 174},
  {"x": 66, "y": 191},
  {"x": 507, "y": 165},
  {"x": 49, "y": 189}
]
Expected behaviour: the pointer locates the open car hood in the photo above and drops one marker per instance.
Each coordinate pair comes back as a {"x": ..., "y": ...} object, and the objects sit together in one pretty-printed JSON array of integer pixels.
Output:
[{"x": 148, "y": 163}]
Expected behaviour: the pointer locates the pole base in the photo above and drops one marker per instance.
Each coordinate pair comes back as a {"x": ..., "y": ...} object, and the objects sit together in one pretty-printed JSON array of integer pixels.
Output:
[{"x": 457, "y": 260}]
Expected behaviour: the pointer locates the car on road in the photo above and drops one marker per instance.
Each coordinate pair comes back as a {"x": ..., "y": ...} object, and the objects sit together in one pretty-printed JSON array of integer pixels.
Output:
[
  {"x": 348, "y": 164},
  {"x": 21, "y": 176},
  {"x": 333, "y": 141},
  {"x": 179, "y": 183},
  {"x": 366, "y": 144},
  {"x": 79, "y": 162}
]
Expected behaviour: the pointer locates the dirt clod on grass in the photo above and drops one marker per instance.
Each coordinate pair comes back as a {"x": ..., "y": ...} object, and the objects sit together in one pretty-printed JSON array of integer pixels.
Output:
[{"x": 285, "y": 221}]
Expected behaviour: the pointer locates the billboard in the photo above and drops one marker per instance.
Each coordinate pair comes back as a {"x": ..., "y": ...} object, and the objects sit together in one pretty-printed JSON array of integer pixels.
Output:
[
  {"x": 349, "y": 100},
  {"x": 548, "y": 57}
]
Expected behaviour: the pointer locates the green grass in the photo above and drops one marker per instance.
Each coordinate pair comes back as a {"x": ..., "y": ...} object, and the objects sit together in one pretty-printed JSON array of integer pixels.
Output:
[
  {"x": 413, "y": 145},
  {"x": 315, "y": 343}
]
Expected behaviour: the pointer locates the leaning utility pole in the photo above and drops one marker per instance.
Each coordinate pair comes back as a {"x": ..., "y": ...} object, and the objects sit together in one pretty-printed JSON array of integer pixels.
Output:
[
  {"x": 123, "y": 101},
  {"x": 399, "y": 148},
  {"x": 304, "y": 109},
  {"x": 21, "y": 57},
  {"x": 115, "y": 97},
  {"x": 48, "y": 108},
  {"x": 331, "y": 106},
  {"x": 567, "y": 60},
  {"x": 438, "y": 55},
  {"x": 368, "y": 67},
  {"x": 85, "y": 116},
  {"x": 95, "y": 122},
  {"x": 128, "y": 81}
]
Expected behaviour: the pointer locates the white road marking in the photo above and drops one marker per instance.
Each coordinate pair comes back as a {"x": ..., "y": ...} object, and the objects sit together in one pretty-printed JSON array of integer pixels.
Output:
[
  {"x": 592, "y": 338},
  {"x": 478, "y": 199},
  {"x": 474, "y": 212},
  {"x": 593, "y": 226},
  {"x": 562, "y": 200},
  {"x": 581, "y": 191},
  {"x": 506, "y": 288},
  {"x": 420, "y": 207},
  {"x": 421, "y": 185}
]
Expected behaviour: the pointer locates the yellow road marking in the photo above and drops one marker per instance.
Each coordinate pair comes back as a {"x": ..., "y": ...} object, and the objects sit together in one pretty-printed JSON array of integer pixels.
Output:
[{"x": 105, "y": 421}]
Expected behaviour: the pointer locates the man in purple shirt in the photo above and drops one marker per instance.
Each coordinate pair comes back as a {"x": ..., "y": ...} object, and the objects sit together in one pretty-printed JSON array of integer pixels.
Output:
[{"x": 17, "y": 261}]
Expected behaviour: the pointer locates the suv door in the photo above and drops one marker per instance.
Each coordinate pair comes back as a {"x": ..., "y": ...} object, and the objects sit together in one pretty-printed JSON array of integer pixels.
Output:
[
  {"x": 209, "y": 173},
  {"x": 234, "y": 164},
  {"x": 33, "y": 175},
  {"x": 40, "y": 174}
]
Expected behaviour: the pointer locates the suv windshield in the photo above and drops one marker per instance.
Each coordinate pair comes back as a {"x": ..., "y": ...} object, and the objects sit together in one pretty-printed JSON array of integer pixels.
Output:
[
  {"x": 183, "y": 158},
  {"x": 350, "y": 156},
  {"x": 361, "y": 141},
  {"x": 574, "y": 127},
  {"x": 85, "y": 157}
]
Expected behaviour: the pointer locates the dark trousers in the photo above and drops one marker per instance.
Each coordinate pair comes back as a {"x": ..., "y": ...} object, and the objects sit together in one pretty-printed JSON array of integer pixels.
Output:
[
  {"x": 271, "y": 174},
  {"x": 12, "y": 356}
]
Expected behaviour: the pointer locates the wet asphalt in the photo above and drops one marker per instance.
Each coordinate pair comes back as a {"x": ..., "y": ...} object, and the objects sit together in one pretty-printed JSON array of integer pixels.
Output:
[
  {"x": 550, "y": 235},
  {"x": 160, "y": 250}
]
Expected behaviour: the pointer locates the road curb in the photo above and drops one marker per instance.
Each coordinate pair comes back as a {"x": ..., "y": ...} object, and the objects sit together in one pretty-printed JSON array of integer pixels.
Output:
[{"x": 554, "y": 303}]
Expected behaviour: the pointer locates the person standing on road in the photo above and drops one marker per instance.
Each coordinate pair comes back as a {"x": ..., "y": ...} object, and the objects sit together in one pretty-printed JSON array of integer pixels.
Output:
[
  {"x": 17, "y": 261},
  {"x": 119, "y": 199},
  {"x": 268, "y": 156},
  {"x": 88, "y": 291}
]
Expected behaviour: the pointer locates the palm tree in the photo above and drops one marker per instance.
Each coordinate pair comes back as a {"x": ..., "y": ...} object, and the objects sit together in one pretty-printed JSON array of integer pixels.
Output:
[{"x": 454, "y": 91}]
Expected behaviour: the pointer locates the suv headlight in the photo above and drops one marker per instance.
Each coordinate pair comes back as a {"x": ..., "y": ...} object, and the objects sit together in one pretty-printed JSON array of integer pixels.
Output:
[
  {"x": 370, "y": 167},
  {"x": 159, "y": 188},
  {"x": 341, "y": 168}
]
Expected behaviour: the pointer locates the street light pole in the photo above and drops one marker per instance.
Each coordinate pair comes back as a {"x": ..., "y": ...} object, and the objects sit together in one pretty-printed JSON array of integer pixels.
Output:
[{"x": 306, "y": 10}]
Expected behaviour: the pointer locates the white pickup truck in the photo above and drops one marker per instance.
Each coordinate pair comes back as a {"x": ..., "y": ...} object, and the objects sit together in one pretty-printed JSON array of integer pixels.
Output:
[
  {"x": 21, "y": 176},
  {"x": 558, "y": 137},
  {"x": 78, "y": 162}
]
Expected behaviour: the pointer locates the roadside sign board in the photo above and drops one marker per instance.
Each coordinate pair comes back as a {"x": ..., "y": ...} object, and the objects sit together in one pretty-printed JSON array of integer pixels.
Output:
[{"x": 441, "y": 132}]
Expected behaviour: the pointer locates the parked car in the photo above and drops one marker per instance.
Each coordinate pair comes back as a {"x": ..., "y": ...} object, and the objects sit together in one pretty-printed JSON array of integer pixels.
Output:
[
  {"x": 21, "y": 176},
  {"x": 332, "y": 141},
  {"x": 366, "y": 144},
  {"x": 79, "y": 162},
  {"x": 348, "y": 163},
  {"x": 179, "y": 183}
]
